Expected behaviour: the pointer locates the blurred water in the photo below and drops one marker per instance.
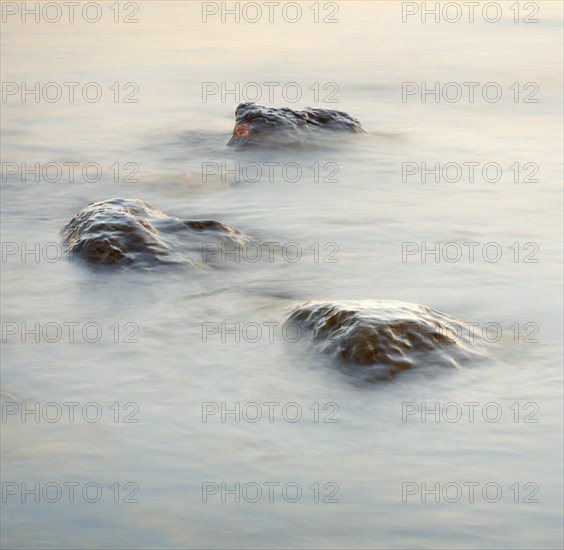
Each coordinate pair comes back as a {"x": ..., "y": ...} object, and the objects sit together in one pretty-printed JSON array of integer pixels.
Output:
[{"x": 368, "y": 213}]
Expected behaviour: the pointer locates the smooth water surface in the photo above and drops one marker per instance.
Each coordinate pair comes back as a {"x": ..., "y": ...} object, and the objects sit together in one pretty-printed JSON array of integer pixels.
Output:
[{"x": 359, "y": 219}]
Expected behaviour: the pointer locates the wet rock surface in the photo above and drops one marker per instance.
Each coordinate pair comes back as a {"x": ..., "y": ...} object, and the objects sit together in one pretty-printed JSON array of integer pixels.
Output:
[
  {"x": 379, "y": 339},
  {"x": 130, "y": 231},
  {"x": 258, "y": 126}
]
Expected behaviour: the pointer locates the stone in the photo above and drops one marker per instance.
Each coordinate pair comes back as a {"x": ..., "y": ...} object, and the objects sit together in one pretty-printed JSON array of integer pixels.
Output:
[
  {"x": 130, "y": 231},
  {"x": 258, "y": 126},
  {"x": 382, "y": 338}
]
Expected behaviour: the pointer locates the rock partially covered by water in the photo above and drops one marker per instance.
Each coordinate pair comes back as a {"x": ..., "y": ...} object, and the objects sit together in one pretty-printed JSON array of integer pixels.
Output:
[
  {"x": 256, "y": 125},
  {"x": 130, "y": 231},
  {"x": 379, "y": 339}
]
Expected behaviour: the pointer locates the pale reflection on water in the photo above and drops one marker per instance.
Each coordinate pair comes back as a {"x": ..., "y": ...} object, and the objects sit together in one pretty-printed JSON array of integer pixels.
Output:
[{"x": 369, "y": 212}]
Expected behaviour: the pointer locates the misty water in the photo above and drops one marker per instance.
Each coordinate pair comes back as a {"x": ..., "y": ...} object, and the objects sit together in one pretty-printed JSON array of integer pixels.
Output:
[{"x": 171, "y": 341}]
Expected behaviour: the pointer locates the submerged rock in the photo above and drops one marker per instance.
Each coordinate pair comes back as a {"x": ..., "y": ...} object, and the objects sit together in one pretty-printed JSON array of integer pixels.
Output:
[
  {"x": 256, "y": 125},
  {"x": 379, "y": 339},
  {"x": 127, "y": 231}
]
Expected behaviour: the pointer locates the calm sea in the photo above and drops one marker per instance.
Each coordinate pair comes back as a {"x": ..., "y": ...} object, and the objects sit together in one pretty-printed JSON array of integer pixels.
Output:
[{"x": 338, "y": 464}]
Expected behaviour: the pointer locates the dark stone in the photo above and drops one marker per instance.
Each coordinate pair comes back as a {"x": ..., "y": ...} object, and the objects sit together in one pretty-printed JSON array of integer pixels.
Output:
[
  {"x": 382, "y": 338},
  {"x": 256, "y": 125},
  {"x": 130, "y": 231}
]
